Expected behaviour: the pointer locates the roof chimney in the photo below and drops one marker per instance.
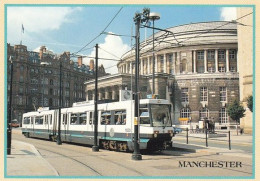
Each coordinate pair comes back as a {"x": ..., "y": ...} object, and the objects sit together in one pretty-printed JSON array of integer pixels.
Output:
[{"x": 80, "y": 60}]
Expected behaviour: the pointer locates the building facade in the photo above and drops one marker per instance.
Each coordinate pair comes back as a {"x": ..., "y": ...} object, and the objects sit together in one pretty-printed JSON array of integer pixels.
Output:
[
  {"x": 195, "y": 69},
  {"x": 36, "y": 79},
  {"x": 245, "y": 62}
]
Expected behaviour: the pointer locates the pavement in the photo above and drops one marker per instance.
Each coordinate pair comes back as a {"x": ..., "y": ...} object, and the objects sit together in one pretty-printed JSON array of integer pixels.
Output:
[{"x": 25, "y": 160}]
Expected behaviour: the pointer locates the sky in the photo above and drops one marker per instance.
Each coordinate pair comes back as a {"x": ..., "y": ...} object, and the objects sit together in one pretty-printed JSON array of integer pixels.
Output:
[{"x": 70, "y": 28}]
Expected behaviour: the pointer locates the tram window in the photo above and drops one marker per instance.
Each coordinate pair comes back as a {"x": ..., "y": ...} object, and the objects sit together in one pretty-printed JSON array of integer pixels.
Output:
[
  {"x": 120, "y": 117},
  {"x": 82, "y": 118},
  {"x": 32, "y": 118},
  {"x": 144, "y": 116},
  {"x": 91, "y": 118},
  {"x": 74, "y": 119},
  {"x": 26, "y": 120},
  {"x": 106, "y": 117},
  {"x": 39, "y": 120}
]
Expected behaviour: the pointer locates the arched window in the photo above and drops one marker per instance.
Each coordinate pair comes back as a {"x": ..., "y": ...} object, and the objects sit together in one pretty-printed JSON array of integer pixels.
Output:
[
  {"x": 204, "y": 113},
  {"x": 223, "y": 117},
  {"x": 185, "y": 113}
]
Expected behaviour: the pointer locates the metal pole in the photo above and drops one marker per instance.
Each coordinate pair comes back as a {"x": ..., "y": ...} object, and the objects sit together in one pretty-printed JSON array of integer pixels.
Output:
[
  {"x": 60, "y": 99},
  {"x": 9, "y": 127},
  {"x": 187, "y": 136},
  {"x": 137, "y": 155},
  {"x": 229, "y": 140},
  {"x": 95, "y": 148},
  {"x": 42, "y": 88},
  {"x": 206, "y": 137},
  {"x": 153, "y": 91}
]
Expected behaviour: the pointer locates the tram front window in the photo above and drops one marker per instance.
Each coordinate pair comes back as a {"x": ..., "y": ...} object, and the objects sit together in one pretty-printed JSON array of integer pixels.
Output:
[{"x": 160, "y": 115}]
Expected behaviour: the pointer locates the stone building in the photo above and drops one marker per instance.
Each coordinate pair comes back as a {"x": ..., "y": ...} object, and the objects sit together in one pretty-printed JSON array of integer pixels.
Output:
[
  {"x": 36, "y": 80},
  {"x": 195, "y": 68},
  {"x": 245, "y": 62}
]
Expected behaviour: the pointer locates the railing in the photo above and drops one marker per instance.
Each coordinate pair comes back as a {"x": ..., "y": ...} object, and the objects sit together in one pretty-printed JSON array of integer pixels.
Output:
[{"x": 207, "y": 132}]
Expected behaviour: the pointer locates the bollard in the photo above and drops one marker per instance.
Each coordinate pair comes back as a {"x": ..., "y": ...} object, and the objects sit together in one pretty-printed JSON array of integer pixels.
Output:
[
  {"x": 229, "y": 140},
  {"x": 187, "y": 136},
  {"x": 206, "y": 137}
]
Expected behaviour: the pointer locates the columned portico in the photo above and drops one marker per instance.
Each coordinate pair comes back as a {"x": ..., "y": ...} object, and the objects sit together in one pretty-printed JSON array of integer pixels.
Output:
[
  {"x": 216, "y": 60},
  {"x": 164, "y": 63},
  {"x": 194, "y": 61}
]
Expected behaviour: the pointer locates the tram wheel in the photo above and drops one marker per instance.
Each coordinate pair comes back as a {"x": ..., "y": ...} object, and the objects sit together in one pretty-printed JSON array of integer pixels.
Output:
[{"x": 27, "y": 135}]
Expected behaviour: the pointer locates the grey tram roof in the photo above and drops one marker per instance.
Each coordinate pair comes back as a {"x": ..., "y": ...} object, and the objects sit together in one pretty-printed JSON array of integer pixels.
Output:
[{"x": 203, "y": 33}]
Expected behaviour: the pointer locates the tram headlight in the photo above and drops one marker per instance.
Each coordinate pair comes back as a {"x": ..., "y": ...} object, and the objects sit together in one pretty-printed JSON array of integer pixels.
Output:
[
  {"x": 170, "y": 132},
  {"x": 155, "y": 134}
]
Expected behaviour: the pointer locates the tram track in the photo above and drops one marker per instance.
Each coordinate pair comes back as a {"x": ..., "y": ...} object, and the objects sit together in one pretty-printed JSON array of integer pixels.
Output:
[
  {"x": 47, "y": 146},
  {"x": 63, "y": 155}
]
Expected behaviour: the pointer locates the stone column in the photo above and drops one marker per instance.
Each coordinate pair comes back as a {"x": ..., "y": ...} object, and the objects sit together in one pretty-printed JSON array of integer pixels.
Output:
[
  {"x": 164, "y": 63},
  {"x": 142, "y": 66},
  {"x": 227, "y": 60},
  {"x": 148, "y": 65},
  {"x": 127, "y": 65},
  {"x": 216, "y": 60},
  {"x": 205, "y": 62},
  {"x": 106, "y": 93},
  {"x": 194, "y": 62},
  {"x": 156, "y": 64},
  {"x": 113, "y": 93}
]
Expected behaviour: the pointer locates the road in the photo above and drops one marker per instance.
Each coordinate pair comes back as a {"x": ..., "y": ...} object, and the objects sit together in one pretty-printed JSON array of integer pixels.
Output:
[{"x": 79, "y": 160}]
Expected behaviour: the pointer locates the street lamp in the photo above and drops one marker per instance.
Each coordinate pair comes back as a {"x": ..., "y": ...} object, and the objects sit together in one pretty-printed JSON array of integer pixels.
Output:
[
  {"x": 9, "y": 128},
  {"x": 60, "y": 101},
  {"x": 138, "y": 19},
  {"x": 43, "y": 64},
  {"x": 154, "y": 16}
]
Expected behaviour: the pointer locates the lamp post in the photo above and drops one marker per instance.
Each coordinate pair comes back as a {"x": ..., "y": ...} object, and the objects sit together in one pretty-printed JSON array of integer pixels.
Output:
[
  {"x": 60, "y": 102},
  {"x": 95, "y": 147},
  {"x": 9, "y": 128},
  {"x": 138, "y": 19},
  {"x": 43, "y": 64},
  {"x": 154, "y": 16}
]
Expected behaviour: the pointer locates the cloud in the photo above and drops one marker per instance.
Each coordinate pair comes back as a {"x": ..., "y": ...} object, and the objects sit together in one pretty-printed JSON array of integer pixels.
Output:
[
  {"x": 228, "y": 13},
  {"x": 36, "y": 20},
  {"x": 112, "y": 48}
]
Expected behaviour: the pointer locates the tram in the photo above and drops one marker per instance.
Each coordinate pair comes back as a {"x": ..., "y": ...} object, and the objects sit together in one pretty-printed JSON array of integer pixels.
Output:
[{"x": 115, "y": 124}]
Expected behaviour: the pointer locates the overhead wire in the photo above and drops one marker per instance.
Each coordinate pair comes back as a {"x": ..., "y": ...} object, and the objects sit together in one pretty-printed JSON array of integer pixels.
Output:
[{"x": 99, "y": 33}]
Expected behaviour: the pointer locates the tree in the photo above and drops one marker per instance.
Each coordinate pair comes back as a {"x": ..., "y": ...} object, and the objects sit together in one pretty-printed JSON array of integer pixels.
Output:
[
  {"x": 250, "y": 103},
  {"x": 236, "y": 111}
]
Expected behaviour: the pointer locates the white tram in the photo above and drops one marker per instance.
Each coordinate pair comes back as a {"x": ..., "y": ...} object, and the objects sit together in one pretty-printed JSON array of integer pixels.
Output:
[{"x": 115, "y": 124}]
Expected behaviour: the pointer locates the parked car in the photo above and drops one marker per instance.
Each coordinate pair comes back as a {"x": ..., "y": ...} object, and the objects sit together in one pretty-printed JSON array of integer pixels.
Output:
[
  {"x": 177, "y": 130},
  {"x": 14, "y": 123}
]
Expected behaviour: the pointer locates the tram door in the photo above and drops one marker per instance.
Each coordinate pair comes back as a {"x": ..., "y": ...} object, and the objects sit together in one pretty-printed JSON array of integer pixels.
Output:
[
  {"x": 91, "y": 126},
  {"x": 65, "y": 126},
  {"x": 46, "y": 122}
]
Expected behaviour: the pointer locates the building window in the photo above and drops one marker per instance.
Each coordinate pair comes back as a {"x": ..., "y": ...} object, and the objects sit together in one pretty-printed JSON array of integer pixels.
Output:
[
  {"x": 203, "y": 94},
  {"x": 223, "y": 94},
  {"x": 221, "y": 55},
  {"x": 185, "y": 113},
  {"x": 46, "y": 102},
  {"x": 204, "y": 113},
  {"x": 20, "y": 90},
  {"x": 232, "y": 69},
  {"x": 232, "y": 54},
  {"x": 211, "y": 69},
  {"x": 211, "y": 54},
  {"x": 184, "y": 95},
  {"x": 34, "y": 101},
  {"x": 21, "y": 79},
  {"x": 32, "y": 70},
  {"x": 200, "y": 55},
  {"x": 51, "y": 82},
  {"x": 20, "y": 100},
  {"x": 223, "y": 117},
  {"x": 21, "y": 68},
  {"x": 221, "y": 69}
]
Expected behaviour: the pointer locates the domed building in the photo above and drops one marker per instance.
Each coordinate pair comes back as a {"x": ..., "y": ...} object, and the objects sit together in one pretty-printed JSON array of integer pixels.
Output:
[{"x": 195, "y": 68}]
